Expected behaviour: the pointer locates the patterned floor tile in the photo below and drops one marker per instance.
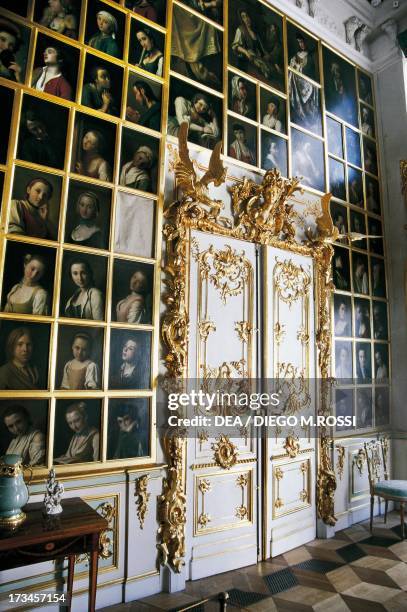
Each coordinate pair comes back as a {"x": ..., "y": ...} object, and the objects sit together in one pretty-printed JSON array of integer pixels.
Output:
[
  {"x": 397, "y": 603},
  {"x": 350, "y": 553},
  {"x": 244, "y": 598},
  {"x": 333, "y": 604},
  {"x": 375, "y": 540},
  {"x": 297, "y": 555},
  {"x": 280, "y": 581},
  {"x": 400, "y": 550},
  {"x": 317, "y": 565},
  {"x": 365, "y": 574},
  {"x": 375, "y": 563},
  {"x": 303, "y": 595},
  {"x": 371, "y": 592},
  {"x": 343, "y": 578},
  {"x": 398, "y": 573}
]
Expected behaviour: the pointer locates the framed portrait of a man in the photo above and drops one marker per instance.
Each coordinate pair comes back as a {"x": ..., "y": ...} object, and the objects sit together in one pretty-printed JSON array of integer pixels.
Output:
[
  {"x": 274, "y": 152},
  {"x": 242, "y": 141},
  {"x": 23, "y": 430},
  {"x": 370, "y": 156},
  {"x": 378, "y": 277},
  {"x": 132, "y": 292},
  {"x": 93, "y": 147},
  {"x": 273, "y": 111},
  {"x": 340, "y": 87},
  {"x": 337, "y": 184},
  {"x": 134, "y": 227},
  {"x": 128, "y": 434},
  {"x": 381, "y": 363},
  {"x": 363, "y": 362},
  {"x": 24, "y": 351},
  {"x": 35, "y": 204},
  {"x": 380, "y": 325},
  {"x": 353, "y": 154},
  {"x": 375, "y": 229},
  {"x": 364, "y": 409},
  {"x": 342, "y": 315},
  {"x": 308, "y": 159},
  {"x": 341, "y": 269},
  {"x": 365, "y": 88},
  {"x": 196, "y": 48},
  {"x": 78, "y": 423},
  {"x": 355, "y": 186},
  {"x": 83, "y": 286},
  {"x": 56, "y": 66},
  {"x": 372, "y": 195},
  {"x": 6, "y": 104},
  {"x": 358, "y": 226},
  {"x": 143, "y": 105},
  {"x": 360, "y": 275},
  {"x": 79, "y": 358},
  {"x": 367, "y": 121},
  {"x": 28, "y": 279},
  {"x": 344, "y": 407},
  {"x": 362, "y": 318},
  {"x": 13, "y": 58},
  {"x": 334, "y": 136},
  {"x": 102, "y": 86},
  {"x": 130, "y": 359},
  {"x": 88, "y": 215},
  {"x": 242, "y": 96},
  {"x": 382, "y": 406}
]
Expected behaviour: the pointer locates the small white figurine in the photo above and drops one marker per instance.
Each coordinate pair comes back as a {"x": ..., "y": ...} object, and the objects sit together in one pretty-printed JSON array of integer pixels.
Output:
[{"x": 53, "y": 493}]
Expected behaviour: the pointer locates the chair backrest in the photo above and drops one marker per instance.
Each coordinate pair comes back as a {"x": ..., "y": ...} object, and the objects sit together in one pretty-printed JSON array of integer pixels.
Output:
[{"x": 376, "y": 452}]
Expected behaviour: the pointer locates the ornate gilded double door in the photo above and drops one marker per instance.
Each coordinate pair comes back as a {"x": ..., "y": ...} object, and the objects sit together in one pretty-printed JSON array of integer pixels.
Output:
[{"x": 250, "y": 490}]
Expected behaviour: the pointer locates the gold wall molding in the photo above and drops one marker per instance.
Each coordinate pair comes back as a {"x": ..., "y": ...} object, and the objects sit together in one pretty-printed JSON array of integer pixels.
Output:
[
  {"x": 340, "y": 463},
  {"x": 359, "y": 460},
  {"x": 143, "y": 497},
  {"x": 225, "y": 452},
  {"x": 262, "y": 214},
  {"x": 292, "y": 446},
  {"x": 291, "y": 281}
]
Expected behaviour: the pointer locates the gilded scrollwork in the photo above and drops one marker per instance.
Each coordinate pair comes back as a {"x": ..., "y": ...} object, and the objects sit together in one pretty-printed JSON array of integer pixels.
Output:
[
  {"x": 360, "y": 460},
  {"x": 292, "y": 446},
  {"x": 340, "y": 463},
  {"x": 291, "y": 281},
  {"x": 242, "y": 512},
  {"x": 293, "y": 388},
  {"x": 205, "y": 328},
  {"x": 244, "y": 330},
  {"x": 143, "y": 497},
  {"x": 225, "y": 452},
  {"x": 279, "y": 332}
]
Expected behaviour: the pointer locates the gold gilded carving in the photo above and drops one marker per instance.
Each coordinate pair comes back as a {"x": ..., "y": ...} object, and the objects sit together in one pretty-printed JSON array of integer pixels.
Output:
[
  {"x": 244, "y": 330},
  {"x": 203, "y": 519},
  {"x": 108, "y": 511},
  {"x": 303, "y": 495},
  {"x": 385, "y": 454},
  {"x": 403, "y": 173},
  {"x": 226, "y": 370},
  {"x": 279, "y": 332},
  {"x": 242, "y": 480},
  {"x": 204, "y": 486},
  {"x": 340, "y": 460},
  {"x": 302, "y": 335},
  {"x": 326, "y": 484},
  {"x": 203, "y": 436},
  {"x": 278, "y": 475},
  {"x": 262, "y": 211},
  {"x": 291, "y": 281},
  {"x": 292, "y": 446},
  {"x": 242, "y": 512},
  {"x": 293, "y": 388},
  {"x": 205, "y": 328},
  {"x": 225, "y": 454},
  {"x": 359, "y": 460},
  {"x": 142, "y": 498}
]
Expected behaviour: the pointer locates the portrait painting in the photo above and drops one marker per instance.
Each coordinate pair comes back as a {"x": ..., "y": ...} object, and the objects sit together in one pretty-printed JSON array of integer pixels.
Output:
[
  {"x": 242, "y": 141},
  {"x": 372, "y": 195},
  {"x": 362, "y": 318},
  {"x": 42, "y": 132},
  {"x": 342, "y": 315},
  {"x": 93, "y": 147},
  {"x": 130, "y": 359},
  {"x": 146, "y": 48},
  {"x": 353, "y": 154},
  {"x": 355, "y": 186},
  {"x": 143, "y": 105},
  {"x": 378, "y": 277},
  {"x": 273, "y": 152},
  {"x": 358, "y": 226},
  {"x": 6, "y": 104},
  {"x": 343, "y": 362},
  {"x": 88, "y": 215},
  {"x": 308, "y": 159},
  {"x": 202, "y": 111},
  {"x": 382, "y": 406},
  {"x": 360, "y": 274},
  {"x": 78, "y": 423},
  {"x": 256, "y": 42},
  {"x": 363, "y": 362},
  {"x": 341, "y": 269},
  {"x": 370, "y": 156},
  {"x": 23, "y": 430},
  {"x": 380, "y": 326},
  {"x": 305, "y": 103},
  {"x": 242, "y": 96},
  {"x": 364, "y": 408},
  {"x": 337, "y": 180},
  {"x": 56, "y": 67},
  {"x": 334, "y": 135},
  {"x": 132, "y": 292},
  {"x": 134, "y": 227},
  {"x": 60, "y": 16},
  {"x": 154, "y": 10},
  {"x": 367, "y": 121},
  {"x": 105, "y": 28},
  {"x": 83, "y": 286},
  {"x": 79, "y": 358},
  {"x": 340, "y": 87},
  {"x": 102, "y": 86},
  {"x": 339, "y": 216},
  {"x": 381, "y": 363},
  {"x": 14, "y": 45},
  {"x": 19, "y": 9},
  {"x": 28, "y": 279},
  {"x": 365, "y": 88},
  {"x": 196, "y": 48},
  {"x": 35, "y": 204},
  {"x": 302, "y": 52},
  {"x": 24, "y": 349},
  {"x": 273, "y": 111},
  {"x": 343, "y": 407},
  {"x": 213, "y": 9},
  {"x": 138, "y": 162},
  {"x": 129, "y": 423},
  {"x": 375, "y": 229}
]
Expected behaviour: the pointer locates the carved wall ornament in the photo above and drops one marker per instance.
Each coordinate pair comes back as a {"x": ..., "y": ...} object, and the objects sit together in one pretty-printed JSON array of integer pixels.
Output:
[
  {"x": 312, "y": 7},
  {"x": 242, "y": 512},
  {"x": 203, "y": 519},
  {"x": 302, "y": 335},
  {"x": 360, "y": 35},
  {"x": 205, "y": 328},
  {"x": 359, "y": 460},
  {"x": 244, "y": 330},
  {"x": 340, "y": 463},
  {"x": 227, "y": 370},
  {"x": 203, "y": 436},
  {"x": 279, "y": 332},
  {"x": 242, "y": 480},
  {"x": 293, "y": 388},
  {"x": 356, "y": 32},
  {"x": 292, "y": 446},
  {"x": 291, "y": 281},
  {"x": 204, "y": 486},
  {"x": 264, "y": 215},
  {"x": 225, "y": 452},
  {"x": 142, "y": 498},
  {"x": 390, "y": 28}
]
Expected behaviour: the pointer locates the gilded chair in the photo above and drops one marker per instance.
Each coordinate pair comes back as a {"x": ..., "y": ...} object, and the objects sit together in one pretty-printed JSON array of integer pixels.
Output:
[{"x": 395, "y": 490}]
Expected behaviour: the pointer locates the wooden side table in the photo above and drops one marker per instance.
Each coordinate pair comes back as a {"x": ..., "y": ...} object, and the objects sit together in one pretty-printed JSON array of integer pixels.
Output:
[{"x": 45, "y": 538}]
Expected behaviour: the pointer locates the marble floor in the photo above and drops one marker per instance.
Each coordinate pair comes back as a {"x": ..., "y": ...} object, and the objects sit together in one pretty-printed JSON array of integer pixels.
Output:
[{"x": 353, "y": 571}]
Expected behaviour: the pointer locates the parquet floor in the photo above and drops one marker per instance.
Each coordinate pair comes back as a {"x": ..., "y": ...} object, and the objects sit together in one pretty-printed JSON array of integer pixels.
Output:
[{"x": 353, "y": 571}]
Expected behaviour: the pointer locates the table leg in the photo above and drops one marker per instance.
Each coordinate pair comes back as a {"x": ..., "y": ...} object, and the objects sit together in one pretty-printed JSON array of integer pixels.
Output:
[
  {"x": 69, "y": 588},
  {"x": 93, "y": 572}
]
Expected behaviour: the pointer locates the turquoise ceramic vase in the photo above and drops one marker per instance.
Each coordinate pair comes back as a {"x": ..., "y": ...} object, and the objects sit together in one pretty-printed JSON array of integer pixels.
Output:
[{"x": 13, "y": 491}]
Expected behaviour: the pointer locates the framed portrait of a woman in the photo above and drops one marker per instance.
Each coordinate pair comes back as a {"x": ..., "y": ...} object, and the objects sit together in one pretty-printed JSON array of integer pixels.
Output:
[
  {"x": 128, "y": 433},
  {"x": 138, "y": 162},
  {"x": 79, "y": 358},
  {"x": 302, "y": 52},
  {"x": 134, "y": 226},
  {"x": 78, "y": 424},
  {"x": 23, "y": 430},
  {"x": 6, "y": 104},
  {"x": 242, "y": 141},
  {"x": 88, "y": 215},
  {"x": 60, "y": 16},
  {"x": 93, "y": 147},
  {"x": 146, "y": 50},
  {"x": 242, "y": 96},
  {"x": 144, "y": 101},
  {"x": 307, "y": 154},
  {"x": 344, "y": 407},
  {"x": 358, "y": 226},
  {"x": 196, "y": 48},
  {"x": 130, "y": 359},
  {"x": 355, "y": 186},
  {"x": 213, "y": 9},
  {"x": 340, "y": 87},
  {"x": 273, "y": 111},
  {"x": 154, "y": 10},
  {"x": 132, "y": 292},
  {"x": 274, "y": 152},
  {"x": 375, "y": 229},
  {"x": 342, "y": 315},
  {"x": 28, "y": 280},
  {"x": 370, "y": 156},
  {"x": 340, "y": 218},
  {"x": 83, "y": 286},
  {"x": 24, "y": 350},
  {"x": 105, "y": 28}
]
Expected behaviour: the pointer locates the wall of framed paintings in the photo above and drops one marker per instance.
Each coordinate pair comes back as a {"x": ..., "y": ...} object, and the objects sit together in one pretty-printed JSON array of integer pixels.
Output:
[{"x": 89, "y": 92}]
